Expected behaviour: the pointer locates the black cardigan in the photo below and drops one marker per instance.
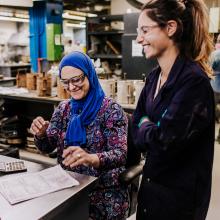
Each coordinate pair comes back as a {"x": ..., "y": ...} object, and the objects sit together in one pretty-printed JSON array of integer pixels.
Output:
[{"x": 179, "y": 141}]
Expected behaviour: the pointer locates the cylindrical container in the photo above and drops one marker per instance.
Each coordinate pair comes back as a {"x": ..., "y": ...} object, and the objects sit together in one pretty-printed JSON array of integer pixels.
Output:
[
  {"x": 125, "y": 91},
  {"x": 44, "y": 85},
  {"x": 41, "y": 85},
  {"x": 49, "y": 84},
  {"x": 138, "y": 86},
  {"x": 21, "y": 79},
  {"x": 108, "y": 86},
  {"x": 31, "y": 79},
  {"x": 61, "y": 92}
]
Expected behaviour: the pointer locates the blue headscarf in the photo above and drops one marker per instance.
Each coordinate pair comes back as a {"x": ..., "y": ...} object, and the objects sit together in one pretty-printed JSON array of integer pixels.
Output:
[{"x": 89, "y": 106}]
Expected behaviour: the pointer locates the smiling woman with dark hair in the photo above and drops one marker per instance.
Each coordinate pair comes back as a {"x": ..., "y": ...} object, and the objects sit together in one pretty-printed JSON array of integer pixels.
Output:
[
  {"x": 174, "y": 120},
  {"x": 90, "y": 134}
]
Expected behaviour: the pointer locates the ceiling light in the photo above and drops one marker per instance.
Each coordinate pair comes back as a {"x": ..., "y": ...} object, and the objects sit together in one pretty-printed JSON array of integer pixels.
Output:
[
  {"x": 3, "y": 18},
  {"x": 6, "y": 13},
  {"x": 21, "y": 15},
  {"x": 91, "y": 15},
  {"x": 79, "y": 13},
  {"x": 75, "y": 25},
  {"x": 101, "y": 7},
  {"x": 73, "y": 17}
]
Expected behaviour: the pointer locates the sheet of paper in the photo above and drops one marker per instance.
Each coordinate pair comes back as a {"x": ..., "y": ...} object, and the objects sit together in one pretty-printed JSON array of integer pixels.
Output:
[{"x": 18, "y": 188}]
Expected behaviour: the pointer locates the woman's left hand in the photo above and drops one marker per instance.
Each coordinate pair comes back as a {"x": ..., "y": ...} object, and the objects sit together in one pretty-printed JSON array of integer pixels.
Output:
[{"x": 76, "y": 156}]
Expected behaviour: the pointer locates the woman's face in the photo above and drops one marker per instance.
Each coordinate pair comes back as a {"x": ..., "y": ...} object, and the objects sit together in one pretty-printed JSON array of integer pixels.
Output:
[
  {"x": 154, "y": 39},
  {"x": 75, "y": 82}
]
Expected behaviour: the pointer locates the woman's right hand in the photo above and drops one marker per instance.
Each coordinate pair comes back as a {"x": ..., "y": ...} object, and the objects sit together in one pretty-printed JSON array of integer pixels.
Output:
[{"x": 39, "y": 127}]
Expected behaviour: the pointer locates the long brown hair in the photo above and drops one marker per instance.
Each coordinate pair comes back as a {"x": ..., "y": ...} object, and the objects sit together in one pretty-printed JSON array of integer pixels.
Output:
[{"x": 192, "y": 36}]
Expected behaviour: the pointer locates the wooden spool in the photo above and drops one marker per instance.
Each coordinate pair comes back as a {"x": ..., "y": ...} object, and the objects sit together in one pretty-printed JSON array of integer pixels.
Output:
[
  {"x": 44, "y": 85},
  {"x": 21, "y": 80},
  {"x": 61, "y": 92},
  {"x": 31, "y": 79}
]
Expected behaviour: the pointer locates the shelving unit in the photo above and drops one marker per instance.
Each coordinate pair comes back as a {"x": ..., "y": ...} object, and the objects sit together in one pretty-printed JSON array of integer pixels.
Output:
[
  {"x": 105, "y": 33},
  {"x": 104, "y": 39},
  {"x": 135, "y": 66},
  {"x": 27, "y": 107},
  {"x": 107, "y": 56}
]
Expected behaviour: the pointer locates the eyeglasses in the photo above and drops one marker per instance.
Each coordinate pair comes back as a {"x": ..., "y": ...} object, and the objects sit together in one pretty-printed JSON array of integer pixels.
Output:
[
  {"x": 145, "y": 29},
  {"x": 75, "y": 81}
]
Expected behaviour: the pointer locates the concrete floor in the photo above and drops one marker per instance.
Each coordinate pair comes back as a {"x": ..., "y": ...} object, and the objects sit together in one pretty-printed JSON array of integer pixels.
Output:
[{"x": 214, "y": 208}]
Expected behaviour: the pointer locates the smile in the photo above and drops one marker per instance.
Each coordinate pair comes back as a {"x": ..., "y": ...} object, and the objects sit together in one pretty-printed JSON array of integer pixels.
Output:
[
  {"x": 146, "y": 45},
  {"x": 75, "y": 90}
]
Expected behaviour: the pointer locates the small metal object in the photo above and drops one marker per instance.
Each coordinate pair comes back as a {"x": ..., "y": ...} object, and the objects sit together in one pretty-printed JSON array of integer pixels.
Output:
[{"x": 78, "y": 156}]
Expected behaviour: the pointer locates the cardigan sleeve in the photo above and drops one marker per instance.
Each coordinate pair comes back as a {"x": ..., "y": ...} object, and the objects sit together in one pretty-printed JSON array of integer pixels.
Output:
[
  {"x": 50, "y": 141},
  {"x": 189, "y": 113}
]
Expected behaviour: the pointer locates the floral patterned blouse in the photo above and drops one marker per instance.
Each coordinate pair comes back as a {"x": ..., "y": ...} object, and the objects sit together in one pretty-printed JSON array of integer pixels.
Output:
[{"x": 107, "y": 137}]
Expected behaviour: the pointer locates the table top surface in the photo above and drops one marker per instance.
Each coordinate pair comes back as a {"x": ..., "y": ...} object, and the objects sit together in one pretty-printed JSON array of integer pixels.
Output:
[
  {"x": 32, "y": 96},
  {"x": 14, "y": 64},
  {"x": 38, "y": 207},
  {"x": 8, "y": 79}
]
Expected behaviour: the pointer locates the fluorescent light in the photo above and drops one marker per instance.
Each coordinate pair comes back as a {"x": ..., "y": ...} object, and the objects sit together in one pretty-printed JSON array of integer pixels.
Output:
[
  {"x": 23, "y": 3},
  {"x": 79, "y": 13},
  {"x": 3, "y": 18},
  {"x": 91, "y": 15},
  {"x": 21, "y": 15},
  {"x": 75, "y": 25},
  {"x": 6, "y": 13},
  {"x": 73, "y": 17}
]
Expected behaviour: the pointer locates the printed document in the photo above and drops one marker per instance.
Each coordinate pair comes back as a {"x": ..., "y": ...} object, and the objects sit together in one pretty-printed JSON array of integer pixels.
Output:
[{"x": 21, "y": 187}]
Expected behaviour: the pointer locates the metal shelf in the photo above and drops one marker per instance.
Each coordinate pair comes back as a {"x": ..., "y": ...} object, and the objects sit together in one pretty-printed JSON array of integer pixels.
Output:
[
  {"x": 106, "y": 56},
  {"x": 105, "y": 32}
]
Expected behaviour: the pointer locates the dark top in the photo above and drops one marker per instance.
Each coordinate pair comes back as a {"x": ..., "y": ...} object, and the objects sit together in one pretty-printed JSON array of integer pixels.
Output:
[{"x": 179, "y": 141}]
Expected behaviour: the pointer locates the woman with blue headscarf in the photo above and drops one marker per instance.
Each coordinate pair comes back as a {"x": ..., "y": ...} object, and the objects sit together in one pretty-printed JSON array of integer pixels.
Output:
[{"x": 90, "y": 133}]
